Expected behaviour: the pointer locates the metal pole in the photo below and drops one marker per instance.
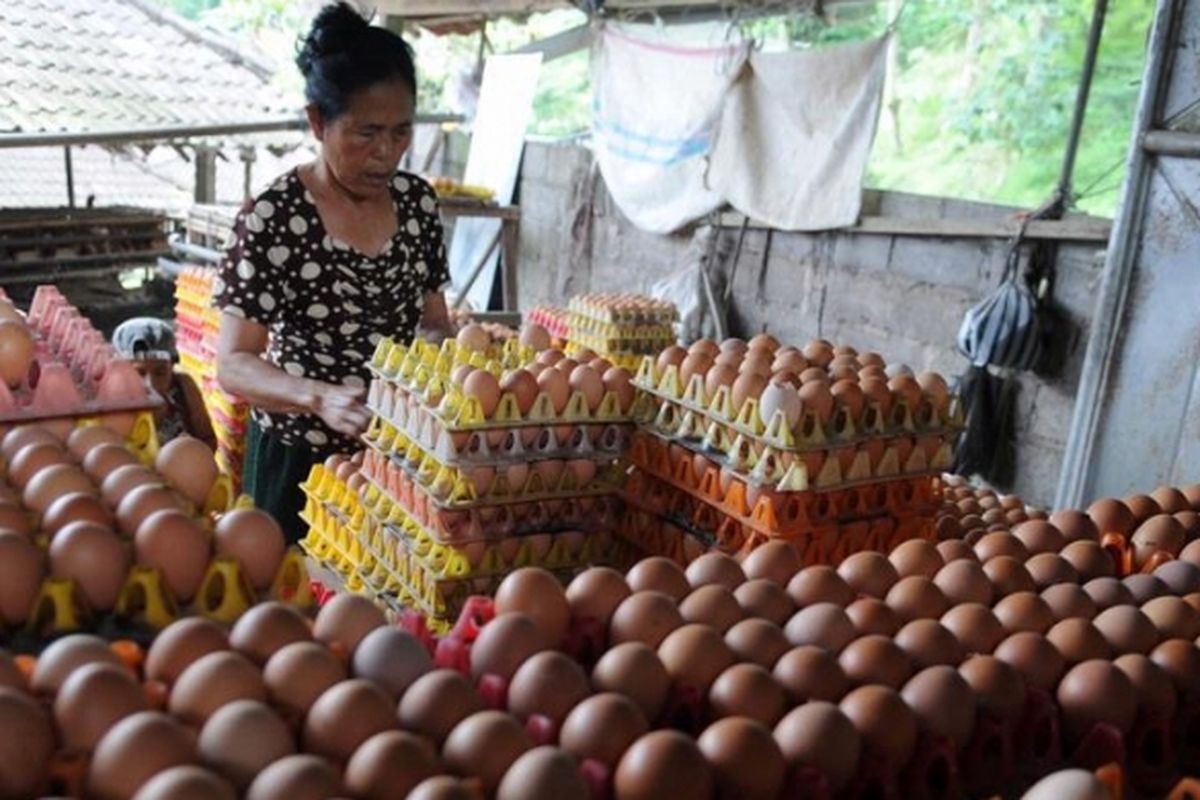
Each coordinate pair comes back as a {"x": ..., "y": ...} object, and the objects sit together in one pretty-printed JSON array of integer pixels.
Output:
[
  {"x": 70, "y": 167},
  {"x": 1077, "y": 468},
  {"x": 1180, "y": 144},
  {"x": 1081, "y": 100}
]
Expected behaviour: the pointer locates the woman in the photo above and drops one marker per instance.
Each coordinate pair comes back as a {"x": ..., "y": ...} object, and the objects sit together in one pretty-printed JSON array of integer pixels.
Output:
[{"x": 334, "y": 256}]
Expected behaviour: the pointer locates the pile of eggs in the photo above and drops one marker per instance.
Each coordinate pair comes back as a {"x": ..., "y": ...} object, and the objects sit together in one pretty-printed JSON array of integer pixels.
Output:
[
  {"x": 820, "y": 377},
  {"x": 87, "y": 509},
  {"x": 552, "y": 320},
  {"x": 56, "y": 363},
  {"x": 621, "y": 326}
]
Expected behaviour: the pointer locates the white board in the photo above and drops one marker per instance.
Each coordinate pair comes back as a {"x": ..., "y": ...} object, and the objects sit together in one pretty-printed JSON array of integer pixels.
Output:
[{"x": 497, "y": 141}]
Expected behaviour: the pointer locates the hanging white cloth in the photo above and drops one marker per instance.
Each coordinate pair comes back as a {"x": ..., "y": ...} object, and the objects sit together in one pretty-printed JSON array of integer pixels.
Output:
[
  {"x": 655, "y": 110},
  {"x": 795, "y": 132}
]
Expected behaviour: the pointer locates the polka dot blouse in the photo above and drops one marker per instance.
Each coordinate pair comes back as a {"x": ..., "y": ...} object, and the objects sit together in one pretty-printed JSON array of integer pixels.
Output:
[{"x": 326, "y": 304}]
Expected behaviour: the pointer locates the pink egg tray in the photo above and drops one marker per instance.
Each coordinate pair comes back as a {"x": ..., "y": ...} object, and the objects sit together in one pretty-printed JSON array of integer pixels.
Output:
[{"x": 75, "y": 371}]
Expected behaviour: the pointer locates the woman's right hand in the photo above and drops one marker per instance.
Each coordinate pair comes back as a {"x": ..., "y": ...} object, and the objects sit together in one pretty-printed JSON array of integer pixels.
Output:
[{"x": 342, "y": 409}]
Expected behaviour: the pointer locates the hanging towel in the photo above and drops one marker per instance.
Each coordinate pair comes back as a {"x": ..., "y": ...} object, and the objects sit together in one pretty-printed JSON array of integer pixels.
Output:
[
  {"x": 795, "y": 133},
  {"x": 655, "y": 109}
]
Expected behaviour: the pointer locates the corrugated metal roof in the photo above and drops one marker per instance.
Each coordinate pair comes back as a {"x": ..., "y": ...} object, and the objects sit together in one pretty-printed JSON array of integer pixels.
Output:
[{"x": 97, "y": 65}]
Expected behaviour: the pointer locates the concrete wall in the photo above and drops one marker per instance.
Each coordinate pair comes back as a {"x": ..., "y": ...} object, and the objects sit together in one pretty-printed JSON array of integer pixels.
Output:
[{"x": 901, "y": 296}]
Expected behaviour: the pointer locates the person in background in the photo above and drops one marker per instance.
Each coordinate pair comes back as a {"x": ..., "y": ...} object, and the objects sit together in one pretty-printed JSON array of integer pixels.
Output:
[
  {"x": 334, "y": 256},
  {"x": 150, "y": 344}
]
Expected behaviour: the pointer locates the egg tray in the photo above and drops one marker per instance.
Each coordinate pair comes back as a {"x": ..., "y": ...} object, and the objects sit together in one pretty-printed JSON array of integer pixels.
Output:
[
  {"x": 457, "y": 412},
  {"x": 624, "y": 359},
  {"x": 846, "y": 467},
  {"x": 554, "y": 320},
  {"x": 685, "y": 409},
  {"x": 401, "y": 363},
  {"x": 588, "y": 306},
  {"x": 647, "y": 343},
  {"x": 450, "y": 488},
  {"x": 592, "y": 513},
  {"x": 523, "y": 442}
]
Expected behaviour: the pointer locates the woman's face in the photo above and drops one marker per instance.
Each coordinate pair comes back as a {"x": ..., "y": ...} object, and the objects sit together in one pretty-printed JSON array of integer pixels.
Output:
[{"x": 363, "y": 146}]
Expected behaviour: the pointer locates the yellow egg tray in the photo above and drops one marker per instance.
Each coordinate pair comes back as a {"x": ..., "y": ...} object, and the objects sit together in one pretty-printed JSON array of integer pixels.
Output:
[
  {"x": 378, "y": 547},
  {"x": 617, "y": 353},
  {"x": 683, "y": 412},
  {"x": 405, "y": 364},
  {"x": 588, "y": 305}
]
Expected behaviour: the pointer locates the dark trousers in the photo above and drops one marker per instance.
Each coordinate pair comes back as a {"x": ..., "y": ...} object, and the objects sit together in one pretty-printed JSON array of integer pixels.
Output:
[{"x": 272, "y": 475}]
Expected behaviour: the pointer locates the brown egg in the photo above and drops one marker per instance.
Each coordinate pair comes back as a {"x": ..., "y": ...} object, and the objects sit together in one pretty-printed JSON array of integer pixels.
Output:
[
  {"x": 818, "y": 735},
  {"x": 916, "y": 557},
  {"x": 671, "y": 356},
  {"x": 1107, "y": 592},
  {"x": 747, "y": 690},
  {"x": 819, "y": 584},
  {"x": 266, "y": 628},
  {"x": 1180, "y": 659},
  {"x": 503, "y": 644},
  {"x": 1008, "y": 576},
  {"x": 436, "y": 702},
  {"x": 24, "y": 435},
  {"x": 975, "y": 627},
  {"x": 817, "y": 396},
  {"x": 548, "y": 684},
  {"x": 659, "y": 574},
  {"x": 14, "y": 519},
  {"x": 757, "y": 641},
  {"x": 92, "y": 700},
  {"x": 1190, "y": 521},
  {"x": 1172, "y": 618},
  {"x": 1038, "y": 661},
  {"x": 1074, "y": 525},
  {"x": 694, "y": 655},
  {"x": 298, "y": 777},
  {"x": 602, "y": 728},
  {"x": 942, "y": 702},
  {"x": 810, "y": 673},
  {"x": 663, "y": 764},
  {"x": 143, "y": 502},
  {"x": 720, "y": 374},
  {"x": 1155, "y": 691},
  {"x": 1180, "y": 577},
  {"x": 1142, "y": 507},
  {"x": 189, "y": 467},
  {"x": 24, "y": 758},
  {"x": 345, "y": 716},
  {"x": 53, "y": 482},
  {"x": 875, "y": 660},
  {"x": 390, "y": 764},
  {"x": 1094, "y": 692},
  {"x": 392, "y": 659},
  {"x": 186, "y": 783},
  {"x": 870, "y": 615},
  {"x": 756, "y": 364},
  {"x": 823, "y": 624},
  {"x": 645, "y": 616},
  {"x": 999, "y": 688},
  {"x": 954, "y": 549},
  {"x": 964, "y": 581},
  {"x": 63, "y": 656},
  {"x": 1126, "y": 629},
  {"x": 745, "y": 758},
  {"x": 211, "y": 682},
  {"x": 747, "y": 386},
  {"x": 22, "y": 567},
  {"x": 711, "y": 605},
  {"x": 634, "y": 670},
  {"x": 104, "y": 459},
  {"x": 485, "y": 745},
  {"x": 869, "y": 573},
  {"x": 124, "y": 479},
  {"x": 776, "y": 561},
  {"x": 1170, "y": 500},
  {"x": 135, "y": 750},
  {"x": 83, "y": 440},
  {"x": 76, "y": 507},
  {"x": 345, "y": 620},
  {"x": 1039, "y": 536},
  {"x": 1159, "y": 533},
  {"x": 242, "y": 739},
  {"x": 1144, "y": 588},
  {"x": 176, "y": 545},
  {"x": 885, "y": 723},
  {"x": 33, "y": 458},
  {"x": 1024, "y": 611},
  {"x": 1077, "y": 640},
  {"x": 1000, "y": 543},
  {"x": 917, "y": 597},
  {"x": 537, "y": 594},
  {"x": 715, "y": 568},
  {"x": 485, "y": 388},
  {"x": 296, "y": 675},
  {"x": 253, "y": 539},
  {"x": 1089, "y": 560},
  {"x": 1111, "y": 516},
  {"x": 1068, "y": 600},
  {"x": 765, "y": 599},
  {"x": 180, "y": 644},
  {"x": 94, "y": 558},
  {"x": 543, "y": 773}
]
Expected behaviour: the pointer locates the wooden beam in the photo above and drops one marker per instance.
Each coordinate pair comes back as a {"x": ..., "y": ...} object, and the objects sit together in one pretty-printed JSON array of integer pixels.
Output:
[{"x": 1072, "y": 229}]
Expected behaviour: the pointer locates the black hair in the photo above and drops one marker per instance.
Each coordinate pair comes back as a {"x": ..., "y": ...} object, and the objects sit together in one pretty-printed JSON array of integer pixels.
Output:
[{"x": 344, "y": 54}]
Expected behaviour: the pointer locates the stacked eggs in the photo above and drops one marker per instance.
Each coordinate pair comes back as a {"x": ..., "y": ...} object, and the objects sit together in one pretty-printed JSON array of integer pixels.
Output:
[
  {"x": 824, "y": 446},
  {"x": 481, "y": 457},
  {"x": 56, "y": 367},
  {"x": 620, "y": 327},
  {"x": 197, "y": 325},
  {"x": 88, "y": 530},
  {"x": 554, "y": 320}
]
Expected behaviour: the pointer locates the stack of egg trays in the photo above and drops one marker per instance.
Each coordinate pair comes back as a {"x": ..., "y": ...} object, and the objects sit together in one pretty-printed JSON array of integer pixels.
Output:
[
  {"x": 377, "y": 547},
  {"x": 554, "y": 320},
  {"x": 809, "y": 457}
]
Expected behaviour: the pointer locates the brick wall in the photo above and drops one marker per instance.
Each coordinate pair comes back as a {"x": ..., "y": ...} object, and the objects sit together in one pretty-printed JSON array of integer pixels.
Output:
[{"x": 901, "y": 296}]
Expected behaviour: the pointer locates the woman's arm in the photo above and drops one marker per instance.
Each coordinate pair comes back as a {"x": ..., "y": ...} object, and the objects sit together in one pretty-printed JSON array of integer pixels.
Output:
[
  {"x": 435, "y": 318},
  {"x": 242, "y": 370}
]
